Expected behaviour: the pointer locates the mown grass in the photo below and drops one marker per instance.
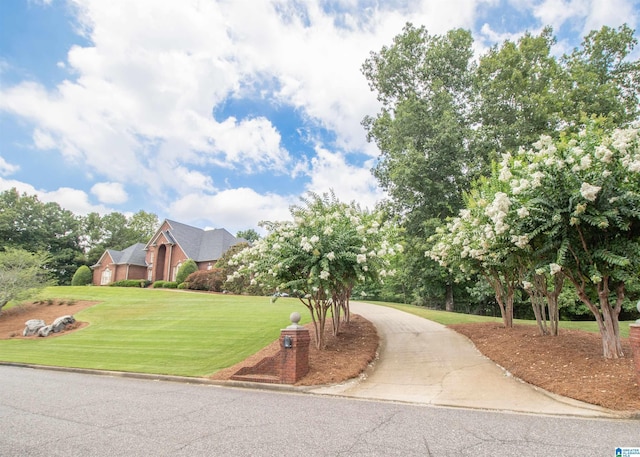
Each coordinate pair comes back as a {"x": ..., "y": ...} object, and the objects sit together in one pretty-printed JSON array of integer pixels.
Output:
[
  {"x": 449, "y": 318},
  {"x": 157, "y": 331},
  {"x": 181, "y": 333}
]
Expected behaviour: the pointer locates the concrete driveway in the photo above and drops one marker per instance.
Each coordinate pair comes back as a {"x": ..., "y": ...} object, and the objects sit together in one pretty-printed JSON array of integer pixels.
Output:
[{"x": 421, "y": 361}]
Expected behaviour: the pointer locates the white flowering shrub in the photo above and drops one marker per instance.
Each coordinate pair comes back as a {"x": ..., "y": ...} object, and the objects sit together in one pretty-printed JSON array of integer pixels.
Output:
[
  {"x": 569, "y": 208},
  {"x": 481, "y": 241},
  {"x": 584, "y": 215},
  {"x": 319, "y": 256}
]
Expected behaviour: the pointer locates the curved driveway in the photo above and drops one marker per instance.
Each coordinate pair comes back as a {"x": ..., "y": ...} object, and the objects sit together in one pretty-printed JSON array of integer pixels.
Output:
[{"x": 421, "y": 361}]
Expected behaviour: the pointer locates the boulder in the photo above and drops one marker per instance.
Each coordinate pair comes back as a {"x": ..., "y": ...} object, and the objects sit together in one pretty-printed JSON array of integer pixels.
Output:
[
  {"x": 32, "y": 326},
  {"x": 44, "y": 331},
  {"x": 60, "y": 323}
]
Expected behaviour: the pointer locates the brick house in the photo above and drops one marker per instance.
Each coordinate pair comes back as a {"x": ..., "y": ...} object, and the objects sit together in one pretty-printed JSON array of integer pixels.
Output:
[{"x": 159, "y": 260}]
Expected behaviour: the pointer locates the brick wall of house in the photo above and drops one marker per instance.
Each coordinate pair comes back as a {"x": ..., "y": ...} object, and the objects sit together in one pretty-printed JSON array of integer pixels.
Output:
[
  {"x": 118, "y": 272},
  {"x": 164, "y": 257},
  {"x": 105, "y": 262},
  {"x": 206, "y": 265},
  {"x": 134, "y": 272}
]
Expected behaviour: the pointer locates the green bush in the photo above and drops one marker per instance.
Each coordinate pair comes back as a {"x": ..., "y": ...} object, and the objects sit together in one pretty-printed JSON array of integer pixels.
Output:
[
  {"x": 82, "y": 277},
  {"x": 165, "y": 285},
  {"x": 185, "y": 270},
  {"x": 211, "y": 280},
  {"x": 131, "y": 283}
]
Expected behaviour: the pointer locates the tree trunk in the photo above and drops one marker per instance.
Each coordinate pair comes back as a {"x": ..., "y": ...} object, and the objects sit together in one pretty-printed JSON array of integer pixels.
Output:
[
  {"x": 538, "y": 305},
  {"x": 503, "y": 297},
  {"x": 318, "y": 307},
  {"x": 609, "y": 326},
  {"x": 605, "y": 314},
  {"x": 552, "y": 303},
  {"x": 448, "y": 301}
]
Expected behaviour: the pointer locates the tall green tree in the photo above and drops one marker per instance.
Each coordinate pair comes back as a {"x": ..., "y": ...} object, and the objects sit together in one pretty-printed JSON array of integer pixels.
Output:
[
  {"x": 142, "y": 225},
  {"x": 518, "y": 87},
  {"x": 443, "y": 118},
  {"x": 29, "y": 224},
  {"x": 425, "y": 85},
  {"x": 116, "y": 231},
  {"x": 601, "y": 80},
  {"x": 250, "y": 235}
]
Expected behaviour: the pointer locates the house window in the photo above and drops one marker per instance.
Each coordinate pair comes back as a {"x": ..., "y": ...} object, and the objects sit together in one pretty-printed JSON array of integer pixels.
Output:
[
  {"x": 175, "y": 271},
  {"x": 106, "y": 277},
  {"x": 149, "y": 274}
]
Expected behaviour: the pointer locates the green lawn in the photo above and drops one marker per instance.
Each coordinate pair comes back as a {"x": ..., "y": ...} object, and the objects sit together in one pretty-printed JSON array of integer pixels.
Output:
[
  {"x": 180, "y": 333},
  {"x": 448, "y": 318},
  {"x": 158, "y": 331}
]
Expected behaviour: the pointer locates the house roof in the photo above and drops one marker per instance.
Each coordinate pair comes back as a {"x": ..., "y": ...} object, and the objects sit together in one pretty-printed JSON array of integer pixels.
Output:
[
  {"x": 198, "y": 244},
  {"x": 133, "y": 255}
]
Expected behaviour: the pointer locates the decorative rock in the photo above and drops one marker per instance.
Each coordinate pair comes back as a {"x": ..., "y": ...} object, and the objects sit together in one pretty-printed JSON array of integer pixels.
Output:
[
  {"x": 60, "y": 323},
  {"x": 32, "y": 326},
  {"x": 44, "y": 331}
]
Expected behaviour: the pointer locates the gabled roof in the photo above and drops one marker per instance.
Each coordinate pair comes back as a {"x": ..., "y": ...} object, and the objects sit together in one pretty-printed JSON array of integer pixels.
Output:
[
  {"x": 198, "y": 244},
  {"x": 133, "y": 255}
]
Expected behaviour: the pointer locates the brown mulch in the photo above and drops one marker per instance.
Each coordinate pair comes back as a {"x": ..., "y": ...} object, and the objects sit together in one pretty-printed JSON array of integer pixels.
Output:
[
  {"x": 12, "y": 320},
  {"x": 570, "y": 364},
  {"x": 346, "y": 356}
]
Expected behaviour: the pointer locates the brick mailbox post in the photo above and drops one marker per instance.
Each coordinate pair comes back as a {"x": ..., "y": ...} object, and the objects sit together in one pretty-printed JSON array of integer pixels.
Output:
[
  {"x": 294, "y": 351},
  {"x": 634, "y": 339}
]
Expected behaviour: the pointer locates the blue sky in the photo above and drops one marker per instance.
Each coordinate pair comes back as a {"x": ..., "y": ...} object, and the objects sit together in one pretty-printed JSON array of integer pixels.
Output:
[{"x": 219, "y": 113}]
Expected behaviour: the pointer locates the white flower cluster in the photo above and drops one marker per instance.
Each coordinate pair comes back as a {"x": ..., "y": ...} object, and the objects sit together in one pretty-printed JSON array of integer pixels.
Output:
[
  {"x": 589, "y": 192},
  {"x": 497, "y": 212},
  {"x": 327, "y": 245}
]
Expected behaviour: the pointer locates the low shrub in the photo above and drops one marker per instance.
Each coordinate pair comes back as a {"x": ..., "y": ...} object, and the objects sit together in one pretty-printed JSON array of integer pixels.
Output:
[
  {"x": 165, "y": 285},
  {"x": 82, "y": 277},
  {"x": 185, "y": 270},
  {"x": 131, "y": 283},
  {"x": 211, "y": 280}
]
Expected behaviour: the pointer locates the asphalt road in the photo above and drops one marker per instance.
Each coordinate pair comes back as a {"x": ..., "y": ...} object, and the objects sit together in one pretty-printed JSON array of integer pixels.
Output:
[{"x": 51, "y": 413}]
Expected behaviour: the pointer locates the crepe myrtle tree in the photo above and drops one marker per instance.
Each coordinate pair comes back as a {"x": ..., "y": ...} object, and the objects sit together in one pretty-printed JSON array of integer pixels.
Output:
[
  {"x": 579, "y": 201},
  {"x": 320, "y": 255},
  {"x": 567, "y": 208},
  {"x": 478, "y": 241},
  {"x": 486, "y": 238}
]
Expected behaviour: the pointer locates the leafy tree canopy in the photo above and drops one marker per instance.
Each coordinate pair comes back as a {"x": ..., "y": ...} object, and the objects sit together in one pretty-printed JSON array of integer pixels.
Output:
[
  {"x": 250, "y": 235},
  {"x": 22, "y": 274}
]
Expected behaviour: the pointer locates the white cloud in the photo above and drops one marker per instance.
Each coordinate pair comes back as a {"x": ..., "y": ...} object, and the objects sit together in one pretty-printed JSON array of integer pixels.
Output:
[
  {"x": 110, "y": 192},
  {"x": 43, "y": 140},
  {"x": 74, "y": 200},
  {"x": 137, "y": 107},
  {"x": 490, "y": 36},
  {"x": 6, "y": 168},
  {"x": 330, "y": 171},
  {"x": 232, "y": 209},
  {"x": 610, "y": 12},
  {"x": 556, "y": 12},
  {"x": 251, "y": 145}
]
